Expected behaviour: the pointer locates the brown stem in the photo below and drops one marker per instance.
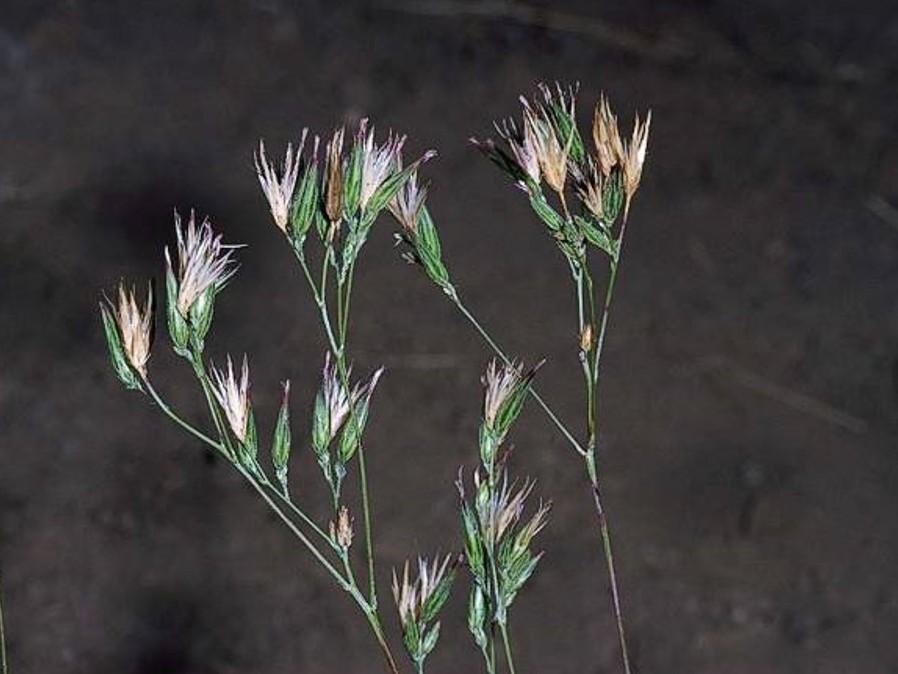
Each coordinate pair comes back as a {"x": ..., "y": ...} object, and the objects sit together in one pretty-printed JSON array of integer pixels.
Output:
[{"x": 612, "y": 576}]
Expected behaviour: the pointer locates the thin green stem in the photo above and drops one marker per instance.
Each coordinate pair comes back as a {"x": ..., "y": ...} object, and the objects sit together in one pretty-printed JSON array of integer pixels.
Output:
[
  {"x": 4, "y": 667},
  {"x": 456, "y": 300},
  {"x": 342, "y": 581},
  {"x": 509, "y": 660},
  {"x": 179, "y": 421},
  {"x": 199, "y": 370}
]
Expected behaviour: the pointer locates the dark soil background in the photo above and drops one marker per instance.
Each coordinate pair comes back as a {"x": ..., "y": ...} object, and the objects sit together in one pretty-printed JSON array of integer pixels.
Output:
[{"x": 750, "y": 411}]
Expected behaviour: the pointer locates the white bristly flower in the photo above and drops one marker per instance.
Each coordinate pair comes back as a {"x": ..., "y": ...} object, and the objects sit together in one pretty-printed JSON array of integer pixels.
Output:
[
  {"x": 378, "y": 162},
  {"x": 233, "y": 396},
  {"x": 204, "y": 262},
  {"x": 522, "y": 144},
  {"x": 338, "y": 400},
  {"x": 135, "y": 327},
  {"x": 278, "y": 190},
  {"x": 406, "y": 205},
  {"x": 499, "y": 382},
  {"x": 412, "y": 595}
]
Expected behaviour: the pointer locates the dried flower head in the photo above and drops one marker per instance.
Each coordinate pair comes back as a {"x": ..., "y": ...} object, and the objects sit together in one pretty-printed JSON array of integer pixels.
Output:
[
  {"x": 135, "y": 327},
  {"x": 550, "y": 152},
  {"x": 606, "y": 137},
  {"x": 634, "y": 159},
  {"x": 233, "y": 396},
  {"x": 412, "y": 596},
  {"x": 341, "y": 530},
  {"x": 333, "y": 197},
  {"x": 590, "y": 186},
  {"x": 378, "y": 162},
  {"x": 279, "y": 190},
  {"x": 204, "y": 262},
  {"x": 406, "y": 205}
]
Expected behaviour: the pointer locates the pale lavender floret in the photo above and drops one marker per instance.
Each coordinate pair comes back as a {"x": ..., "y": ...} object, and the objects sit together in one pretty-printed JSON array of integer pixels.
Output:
[
  {"x": 378, "y": 162},
  {"x": 204, "y": 262},
  {"x": 406, "y": 205},
  {"x": 278, "y": 190},
  {"x": 338, "y": 400},
  {"x": 233, "y": 396}
]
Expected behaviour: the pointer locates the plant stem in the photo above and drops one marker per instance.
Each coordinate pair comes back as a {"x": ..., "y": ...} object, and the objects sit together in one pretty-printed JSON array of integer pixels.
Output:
[
  {"x": 507, "y": 642},
  {"x": 337, "y": 344},
  {"x": 179, "y": 421},
  {"x": 456, "y": 300},
  {"x": 609, "y": 561},
  {"x": 3, "y": 663}
]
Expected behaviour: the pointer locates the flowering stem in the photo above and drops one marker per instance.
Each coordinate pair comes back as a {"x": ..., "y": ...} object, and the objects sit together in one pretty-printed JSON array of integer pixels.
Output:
[
  {"x": 337, "y": 345},
  {"x": 507, "y": 643},
  {"x": 456, "y": 300},
  {"x": 180, "y": 422}
]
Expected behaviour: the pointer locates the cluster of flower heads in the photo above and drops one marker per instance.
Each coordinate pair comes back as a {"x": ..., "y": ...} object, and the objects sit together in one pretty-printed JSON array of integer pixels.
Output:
[
  {"x": 497, "y": 538},
  {"x": 547, "y": 147},
  {"x": 350, "y": 185}
]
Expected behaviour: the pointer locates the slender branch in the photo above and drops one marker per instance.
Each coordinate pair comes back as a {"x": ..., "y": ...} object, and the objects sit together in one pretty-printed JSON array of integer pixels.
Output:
[
  {"x": 179, "y": 421},
  {"x": 456, "y": 300},
  {"x": 507, "y": 643},
  {"x": 4, "y": 667},
  {"x": 612, "y": 575}
]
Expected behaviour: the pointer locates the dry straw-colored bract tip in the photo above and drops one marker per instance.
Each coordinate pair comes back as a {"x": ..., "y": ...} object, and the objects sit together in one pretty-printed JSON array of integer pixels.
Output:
[
  {"x": 135, "y": 326},
  {"x": 233, "y": 396},
  {"x": 634, "y": 159},
  {"x": 204, "y": 262},
  {"x": 341, "y": 530},
  {"x": 333, "y": 199},
  {"x": 279, "y": 190},
  {"x": 606, "y": 137},
  {"x": 551, "y": 151}
]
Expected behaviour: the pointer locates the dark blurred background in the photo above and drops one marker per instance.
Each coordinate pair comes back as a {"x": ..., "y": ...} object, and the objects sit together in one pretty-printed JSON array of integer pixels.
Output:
[{"x": 749, "y": 402}]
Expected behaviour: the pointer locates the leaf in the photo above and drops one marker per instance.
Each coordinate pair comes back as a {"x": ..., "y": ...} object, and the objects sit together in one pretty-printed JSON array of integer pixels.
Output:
[
  {"x": 280, "y": 444},
  {"x": 178, "y": 329},
  {"x": 596, "y": 236},
  {"x": 430, "y": 640},
  {"x": 547, "y": 214}
]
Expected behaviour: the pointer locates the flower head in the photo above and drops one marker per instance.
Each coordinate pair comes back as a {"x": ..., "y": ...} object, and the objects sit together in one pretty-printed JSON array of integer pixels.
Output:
[
  {"x": 378, "y": 162},
  {"x": 590, "y": 185},
  {"x": 135, "y": 327},
  {"x": 338, "y": 401},
  {"x": 233, "y": 396},
  {"x": 204, "y": 262},
  {"x": 416, "y": 598},
  {"x": 606, "y": 137},
  {"x": 500, "y": 382},
  {"x": 341, "y": 530},
  {"x": 333, "y": 196},
  {"x": 634, "y": 159},
  {"x": 406, "y": 205},
  {"x": 279, "y": 190},
  {"x": 522, "y": 143}
]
